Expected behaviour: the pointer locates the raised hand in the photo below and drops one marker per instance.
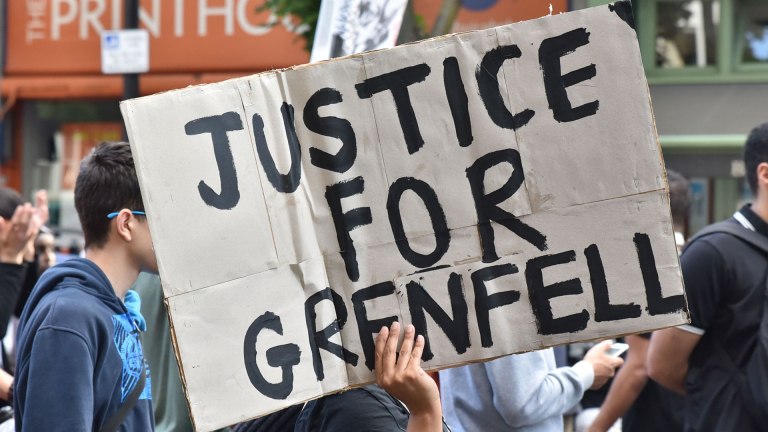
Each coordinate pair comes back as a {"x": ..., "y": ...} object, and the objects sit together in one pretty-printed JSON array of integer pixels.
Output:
[
  {"x": 17, "y": 235},
  {"x": 402, "y": 376}
]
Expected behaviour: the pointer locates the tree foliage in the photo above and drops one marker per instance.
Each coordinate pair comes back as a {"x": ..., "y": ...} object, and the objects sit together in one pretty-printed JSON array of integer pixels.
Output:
[{"x": 306, "y": 11}]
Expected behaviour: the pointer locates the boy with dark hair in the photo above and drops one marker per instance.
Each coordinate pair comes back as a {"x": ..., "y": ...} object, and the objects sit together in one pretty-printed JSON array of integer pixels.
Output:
[
  {"x": 725, "y": 283},
  {"x": 80, "y": 363}
]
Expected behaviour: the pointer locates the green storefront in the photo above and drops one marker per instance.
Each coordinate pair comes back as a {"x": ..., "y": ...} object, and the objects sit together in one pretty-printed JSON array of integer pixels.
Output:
[{"x": 707, "y": 68}]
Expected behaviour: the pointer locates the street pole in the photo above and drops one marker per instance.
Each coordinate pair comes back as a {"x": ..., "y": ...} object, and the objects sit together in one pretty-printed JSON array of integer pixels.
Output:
[{"x": 131, "y": 21}]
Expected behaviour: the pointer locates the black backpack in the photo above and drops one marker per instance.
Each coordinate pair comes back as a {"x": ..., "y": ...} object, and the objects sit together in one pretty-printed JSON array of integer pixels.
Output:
[{"x": 752, "y": 380}]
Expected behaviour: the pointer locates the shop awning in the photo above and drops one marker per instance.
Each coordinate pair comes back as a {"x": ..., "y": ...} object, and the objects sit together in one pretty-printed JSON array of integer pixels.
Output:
[{"x": 99, "y": 86}]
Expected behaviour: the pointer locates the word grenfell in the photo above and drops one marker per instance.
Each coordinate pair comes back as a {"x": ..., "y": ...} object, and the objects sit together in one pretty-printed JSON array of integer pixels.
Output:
[
  {"x": 502, "y": 190},
  {"x": 456, "y": 324}
]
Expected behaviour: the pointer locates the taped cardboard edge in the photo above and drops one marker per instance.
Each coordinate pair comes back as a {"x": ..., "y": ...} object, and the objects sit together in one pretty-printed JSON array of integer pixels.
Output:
[{"x": 179, "y": 362}]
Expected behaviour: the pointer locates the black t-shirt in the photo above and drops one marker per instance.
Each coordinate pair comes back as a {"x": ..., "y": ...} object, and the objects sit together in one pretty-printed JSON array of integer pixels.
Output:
[
  {"x": 725, "y": 282},
  {"x": 368, "y": 408},
  {"x": 364, "y": 409},
  {"x": 655, "y": 409}
]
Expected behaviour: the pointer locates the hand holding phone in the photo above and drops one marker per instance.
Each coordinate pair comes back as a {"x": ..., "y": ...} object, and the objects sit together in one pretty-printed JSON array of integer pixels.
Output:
[
  {"x": 617, "y": 349},
  {"x": 604, "y": 362}
]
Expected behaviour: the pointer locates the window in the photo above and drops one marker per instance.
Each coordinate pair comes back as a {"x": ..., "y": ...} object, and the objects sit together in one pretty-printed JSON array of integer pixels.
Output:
[
  {"x": 702, "y": 41},
  {"x": 686, "y": 33},
  {"x": 751, "y": 34}
]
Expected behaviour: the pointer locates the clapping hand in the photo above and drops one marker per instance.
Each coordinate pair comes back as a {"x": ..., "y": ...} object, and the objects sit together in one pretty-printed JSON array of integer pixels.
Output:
[{"x": 17, "y": 235}]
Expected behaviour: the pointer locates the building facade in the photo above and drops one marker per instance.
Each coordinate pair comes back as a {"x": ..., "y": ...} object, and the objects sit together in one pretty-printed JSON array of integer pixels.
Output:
[
  {"x": 706, "y": 63},
  {"x": 707, "y": 67}
]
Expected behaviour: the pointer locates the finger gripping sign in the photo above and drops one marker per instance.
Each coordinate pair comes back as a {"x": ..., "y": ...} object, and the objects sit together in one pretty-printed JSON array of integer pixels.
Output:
[{"x": 502, "y": 190}]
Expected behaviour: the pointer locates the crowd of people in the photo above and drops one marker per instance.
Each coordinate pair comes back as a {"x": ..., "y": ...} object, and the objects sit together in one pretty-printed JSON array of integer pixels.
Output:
[{"x": 89, "y": 331}]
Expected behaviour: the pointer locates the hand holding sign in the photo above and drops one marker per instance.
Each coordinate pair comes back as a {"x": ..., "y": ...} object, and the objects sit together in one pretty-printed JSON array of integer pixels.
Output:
[{"x": 402, "y": 376}]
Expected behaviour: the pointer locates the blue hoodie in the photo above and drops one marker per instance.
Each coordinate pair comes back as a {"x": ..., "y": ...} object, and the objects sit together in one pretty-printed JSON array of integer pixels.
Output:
[{"x": 79, "y": 355}]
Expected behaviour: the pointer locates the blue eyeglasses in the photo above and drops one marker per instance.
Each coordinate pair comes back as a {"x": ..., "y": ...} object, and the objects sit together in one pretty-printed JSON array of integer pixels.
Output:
[{"x": 136, "y": 212}]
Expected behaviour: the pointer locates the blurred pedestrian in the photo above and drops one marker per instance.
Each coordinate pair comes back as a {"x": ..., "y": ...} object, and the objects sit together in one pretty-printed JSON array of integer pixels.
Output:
[
  {"x": 720, "y": 360},
  {"x": 20, "y": 223},
  {"x": 524, "y": 392},
  {"x": 37, "y": 259}
]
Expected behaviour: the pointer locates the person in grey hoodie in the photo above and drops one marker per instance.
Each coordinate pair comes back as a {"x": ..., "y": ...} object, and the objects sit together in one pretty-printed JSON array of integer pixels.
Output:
[{"x": 522, "y": 392}]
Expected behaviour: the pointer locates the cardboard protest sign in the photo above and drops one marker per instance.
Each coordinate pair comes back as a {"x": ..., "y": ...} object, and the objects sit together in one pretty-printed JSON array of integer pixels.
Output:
[{"x": 502, "y": 190}]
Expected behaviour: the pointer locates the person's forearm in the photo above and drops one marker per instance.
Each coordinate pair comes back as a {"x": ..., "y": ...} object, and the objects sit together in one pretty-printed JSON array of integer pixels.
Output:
[
  {"x": 404, "y": 378},
  {"x": 428, "y": 421},
  {"x": 627, "y": 385},
  {"x": 670, "y": 378},
  {"x": 668, "y": 356}
]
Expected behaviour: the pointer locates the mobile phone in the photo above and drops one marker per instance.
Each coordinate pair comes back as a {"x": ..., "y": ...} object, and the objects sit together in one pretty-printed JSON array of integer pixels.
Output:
[{"x": 617, "y": 349}]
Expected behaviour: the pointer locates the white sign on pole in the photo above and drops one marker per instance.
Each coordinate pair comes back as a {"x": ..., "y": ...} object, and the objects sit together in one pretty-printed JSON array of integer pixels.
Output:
[
  {"x": 503, "y": 190},
  {"x": 347, "y": 27},
  {"x": 125, "y": 51}
]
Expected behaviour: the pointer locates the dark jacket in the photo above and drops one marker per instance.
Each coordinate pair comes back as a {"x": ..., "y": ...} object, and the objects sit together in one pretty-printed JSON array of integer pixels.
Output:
[
  {"x": 11, "y": 283},
  {"x": 79, "y": 355}
]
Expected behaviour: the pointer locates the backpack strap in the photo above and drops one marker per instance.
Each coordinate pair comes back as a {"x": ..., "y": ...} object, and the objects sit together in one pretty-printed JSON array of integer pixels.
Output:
[
  {"x": 739, "y": 231},
  {"x": 114, "y": 422}
]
